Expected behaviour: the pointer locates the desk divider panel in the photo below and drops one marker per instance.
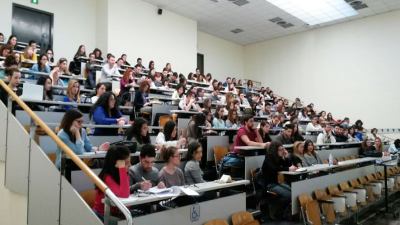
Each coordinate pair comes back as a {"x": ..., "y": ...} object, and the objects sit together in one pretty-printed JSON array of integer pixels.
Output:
[
  {"x": 3, "y": 131},
  {"x": 17, "y": 157}
]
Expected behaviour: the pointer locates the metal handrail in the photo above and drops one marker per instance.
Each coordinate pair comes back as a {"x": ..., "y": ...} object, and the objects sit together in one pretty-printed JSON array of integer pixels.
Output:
[{"x": 85, "y": 169}]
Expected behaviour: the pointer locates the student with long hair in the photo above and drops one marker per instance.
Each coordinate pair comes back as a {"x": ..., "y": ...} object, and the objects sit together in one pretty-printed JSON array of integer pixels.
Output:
[
  {"x": 29, "y": 55},
  {"x": 171, "y": 174},
  {"x": 115, "y": 176},
  {"x": 106, "y": 112},
  {"x": 264, "y": 131},
  {"x": 311, "y": 157},
  {"x": 193, "y": 172},
  {"x": 73, "y": 93},
  {"x": 276, "y": 160},
  {"x": 232, "y": 120},
  {"x": 100, "y": 90},
  {"x": 139, "y": 133},
  {"x": 127, "y": 81},
  {"x": 169, "y": 136},
  {"x": 218, "y": 121},
  {"x": 46, "y": 82},
  {"x": 12, "y": 41},
  {"x": 74, "y": 135},
  {"x": 297, "y": 157},
  {"x": 141, "y": 100},
  {"x": 42, "y": 64}
]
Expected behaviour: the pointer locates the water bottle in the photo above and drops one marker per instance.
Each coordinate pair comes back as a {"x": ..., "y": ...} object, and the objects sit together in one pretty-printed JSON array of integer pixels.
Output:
[{"x": 330, "y": 159}]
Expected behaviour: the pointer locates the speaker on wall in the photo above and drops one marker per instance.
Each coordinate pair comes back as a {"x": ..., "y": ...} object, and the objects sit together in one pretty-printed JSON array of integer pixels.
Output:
[{"x": 159, "y": 11}]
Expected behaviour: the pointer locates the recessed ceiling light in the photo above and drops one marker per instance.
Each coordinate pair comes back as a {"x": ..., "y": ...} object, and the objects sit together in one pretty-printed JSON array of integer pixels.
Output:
[{"x": 315, "y": 12}]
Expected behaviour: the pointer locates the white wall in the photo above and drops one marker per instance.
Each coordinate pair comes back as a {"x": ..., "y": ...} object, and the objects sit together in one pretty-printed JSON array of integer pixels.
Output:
[
  {"x": 74, "y": 23},
  {"x": 136, "y": 29},
  {"x": 102, "y": 25},
  {"x": 221, "y": 58},
  {"x": 349, "y": 69}
]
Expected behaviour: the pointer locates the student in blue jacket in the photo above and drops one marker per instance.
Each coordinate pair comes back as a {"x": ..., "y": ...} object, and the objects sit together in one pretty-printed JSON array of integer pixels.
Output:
[{"x": 106, "y": 112}]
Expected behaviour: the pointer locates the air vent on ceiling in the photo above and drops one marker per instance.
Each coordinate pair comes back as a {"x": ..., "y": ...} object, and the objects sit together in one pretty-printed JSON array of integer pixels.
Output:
[
  {"x": 239, "y": 2},
  {"x": 237, "y": 30},
  {"x": 280, "y": 22},
  {"x": 357, "y": 5}
]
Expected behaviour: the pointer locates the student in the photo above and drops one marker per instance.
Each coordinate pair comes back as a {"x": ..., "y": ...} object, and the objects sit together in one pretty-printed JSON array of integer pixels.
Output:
[
  {"x": 46, "y": 82},
  {"x": 338, "y": 134},
  {"x": 313, "y": 126},
  {"x": 352, "y": 135},
  {"x": 109, "y": 69},
  {"x": 141, "y": 100},
  {"x": 115, "y": 176},
  {"x": 311, "y": 157},
  {"x": 127, "y": 81},
  {"x": 375, "y": 150},
  {"x": 75, "y": 65},
  {"x": 73, "y": 94},
  {"x": 249, "y": 87},
  {"x": 394, "y": 148},
  {"x": 169, "y": 136},
  {"x": 194, "y": 132},
  {"x": 326, "y": 137},
  {"x": 63, "y": 67},
  {"x": 12, "y": 40},
  {"x": 5, "y": 50},
  {"x": 139, "y": 62},
  {"x": 193, "y": 172},
  {"x": 171, "y": 174},
  {"x": 209, "y": 78},
  {"x": 218, "y": 121},
  {"x": 14, "y": 79},
  {"x": 29, "y": 55},
  {"x": 50, "y": 55},
  {"x": 276, "y": 160},
  {"x": 265, "y": 111},
  {"x": 139, "y": 133},
  {"x": 188, "y": 102},
  {"x": 303, "y": 115},
  {"x": 9, "y": 61},
  {"x": 232, "y": 120},
  {"x": 74, "y": 135},
  {"x": 145, "y": 169},
  {"x": 264, "y": 131},
  {"x": 100, "y": 90},
  {"x": 329, "y": 118},
  {"x": 296, "y": 136},
  {"x": 41, "y": 65},
  {"x": 33, "y": 44},
  {"x": 286, "y": 135},
  {"x": 106, "y": 112},
  {"x": 97, "y": 54},
  {"x": 297, "y": 158},
  {"x": 151, "y": 65},
  {"x": 56, "y": 80},
  {"x": 124, "y": 59},
  {"x": 1, "y": 38}
]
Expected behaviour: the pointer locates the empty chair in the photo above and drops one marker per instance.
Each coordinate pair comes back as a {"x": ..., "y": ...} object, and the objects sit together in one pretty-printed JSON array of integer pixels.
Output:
[
  {"x": 310, "y": 210},
  {"x": 376, "y": 185},
  {"x": 219, "y": 153},
  {"x": 243, "y": 218},
  {"x": 362, "y": 182},
  {"x": 217, "y": 222},
  {"x": 361, "y": 193},
  {"x": 329, "y": 208},
  {"x": 351, "y": 197},
  {"x": 390, "y": 180}
]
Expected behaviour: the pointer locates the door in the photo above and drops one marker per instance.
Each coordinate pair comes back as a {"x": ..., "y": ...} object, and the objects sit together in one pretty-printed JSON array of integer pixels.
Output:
[
  {"x": 32, "y": 24},
  {"x": 200, "y": 62}
]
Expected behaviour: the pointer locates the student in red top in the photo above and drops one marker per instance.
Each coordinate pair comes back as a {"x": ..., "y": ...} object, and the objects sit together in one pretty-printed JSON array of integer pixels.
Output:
[
  {"x": 115, "y": 176},
  {"x": 247, "y": 135}
]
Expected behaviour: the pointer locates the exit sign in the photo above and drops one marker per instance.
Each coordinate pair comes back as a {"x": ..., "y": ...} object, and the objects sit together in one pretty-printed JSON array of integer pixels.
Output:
[{"x": 35, "y": 2}]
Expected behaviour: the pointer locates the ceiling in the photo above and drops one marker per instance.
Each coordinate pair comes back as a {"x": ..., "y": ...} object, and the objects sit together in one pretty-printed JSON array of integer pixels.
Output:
[{"x": 220, "y": 17}]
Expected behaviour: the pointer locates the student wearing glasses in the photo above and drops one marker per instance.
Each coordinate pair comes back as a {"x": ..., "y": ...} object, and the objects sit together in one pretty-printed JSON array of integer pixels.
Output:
[
  {"x": 74, "y": 135},
  {"x": 41, "y": 65},
  {"x": 144, "y": 174}
]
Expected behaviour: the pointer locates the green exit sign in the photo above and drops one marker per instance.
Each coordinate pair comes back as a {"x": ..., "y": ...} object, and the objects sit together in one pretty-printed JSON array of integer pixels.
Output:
[{"x": 35, "y": 2}]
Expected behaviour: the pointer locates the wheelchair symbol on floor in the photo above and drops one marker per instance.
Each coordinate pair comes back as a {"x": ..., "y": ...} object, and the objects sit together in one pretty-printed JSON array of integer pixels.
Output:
[{"x": 195, "y": 213}]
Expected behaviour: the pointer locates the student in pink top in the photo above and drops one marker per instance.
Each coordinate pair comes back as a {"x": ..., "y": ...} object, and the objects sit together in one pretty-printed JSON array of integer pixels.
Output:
[{"x": 115, "y": 176}]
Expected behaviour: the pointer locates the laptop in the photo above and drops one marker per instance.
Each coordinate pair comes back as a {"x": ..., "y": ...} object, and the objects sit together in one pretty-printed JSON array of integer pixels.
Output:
[{"x": 32, "y": 92}]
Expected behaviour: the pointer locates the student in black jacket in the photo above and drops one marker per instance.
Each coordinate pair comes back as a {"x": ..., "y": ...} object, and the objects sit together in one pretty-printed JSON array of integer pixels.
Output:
[{"x": 276, "y": 160}]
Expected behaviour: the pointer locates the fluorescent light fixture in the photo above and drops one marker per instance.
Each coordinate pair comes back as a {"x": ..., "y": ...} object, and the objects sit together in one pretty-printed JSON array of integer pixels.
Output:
[{"x": 315, "y": 12}]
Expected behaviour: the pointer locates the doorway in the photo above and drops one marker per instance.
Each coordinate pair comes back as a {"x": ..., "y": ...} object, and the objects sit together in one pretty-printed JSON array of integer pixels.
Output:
[
  {"x": 200, "y": 62},
  {"x": 33, "y": 24}
]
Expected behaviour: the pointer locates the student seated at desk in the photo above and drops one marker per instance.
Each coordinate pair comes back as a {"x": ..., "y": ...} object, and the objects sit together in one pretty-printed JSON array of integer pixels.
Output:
[
  {"x": 264, "y": 131},
  {"x": 311, "y": 157},
  {"x": 109, "y": 69},
  {"x": 127, "y": 81},
  {"x": 46, "y": 82},
  {"x": 141, "y": 100},
  {"x": 218, "y": 121},
  {"x": 276, "y": 122},
  {"x": 75, "y": 64},
  {"x": 100, "y": 90},
  {"x": 193, "y": 172},
  {"x": 171, "y": 174},
  {"x": 73, "y": 94},
  {"x": 276, "y": 160},
  {"x": 247, "y": 135},
  {"x": 63, "y": 67},
  {"x": 189, "y": 102},
  {"x": 296, "y": 136},
  {"x": 285, "y": 137},
  {"x": 139, "y": 133},
  {"x": 394, "y": 148},
  {"x": 144, "y": 169},
  {"x": 207, "y": 104},
  {"x": 74, "y": 135},
  {"x": 169, "y": 136},
  {"x": 106, "y": 112},
  {"x": 41, "y": 65},
  {"x": 98, "y": 54},
  {"x": 297, "y": 157},
  {"x": 326, "y": 137},
  {"x": 5, "y": 50},
  {"x": 373, "y": 150},
  {"x": 194, "y": 132},
  {"x": 313, "y": 126},
  {"x": 14, "y": 79},
  {"x": 265, "y": 110},
  {"x": 29, "y": 55},
  {"x": 50, "y": 55},
  {"x": 115, "y": 176},
  {"x": 9, "y": 61},
  {"x": 12, "y": 41},
  {"x": 303, "y": 115},
  {"x": 232, "y": 120},
  {"x": 352, "y": 135},
  {"x": 338, "y": 134}
]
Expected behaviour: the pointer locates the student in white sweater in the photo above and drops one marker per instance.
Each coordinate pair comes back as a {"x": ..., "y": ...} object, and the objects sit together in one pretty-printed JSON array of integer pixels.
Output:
[
  {"x": 326, "y": 137},
  {"x": 313, "y": 126},
  {"x": 168, "y": 137}
]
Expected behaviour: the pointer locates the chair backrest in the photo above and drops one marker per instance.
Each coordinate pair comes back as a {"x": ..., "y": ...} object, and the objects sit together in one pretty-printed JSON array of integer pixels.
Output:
[
  {"x": 363, "y": 180},
  {"x": 89, "y": 196},
  {"x": 219, "y": 153},
  {"x": 217, "y": 222},
  {"x": 241, "y": 218},
  {"x": 371, "y": 177},
  {"x": 162, "y": 120},
  {"x": 313, "y": 213},
  {"x": 320, "y": 194},
  {"x": 333, "y": 190},
  {"x": 354, "y": 183},
  {"x": 344, "y": 186},
  {"x": 327, "y": 209},
  {"x": 304, "y": 199}
]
